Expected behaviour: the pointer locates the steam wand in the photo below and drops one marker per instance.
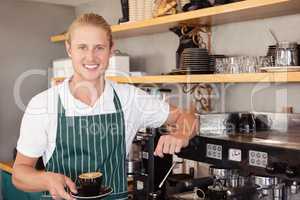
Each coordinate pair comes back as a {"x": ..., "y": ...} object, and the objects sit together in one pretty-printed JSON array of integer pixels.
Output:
[{"x": 163, "y": 181}]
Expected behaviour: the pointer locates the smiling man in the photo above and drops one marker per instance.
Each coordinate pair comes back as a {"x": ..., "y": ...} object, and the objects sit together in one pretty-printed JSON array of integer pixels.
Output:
[{"x": 88, "y": 123}]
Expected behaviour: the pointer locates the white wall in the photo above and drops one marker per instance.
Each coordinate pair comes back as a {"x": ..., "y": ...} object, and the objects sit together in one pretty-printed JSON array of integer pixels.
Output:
[
  {"x": 25, "y": 30},
  {"x": 156, "y": 54},
  {"x": 253, "y": 37}
]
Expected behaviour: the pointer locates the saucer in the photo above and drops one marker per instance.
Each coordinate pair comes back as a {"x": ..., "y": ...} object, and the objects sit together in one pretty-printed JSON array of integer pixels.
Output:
[
  {"x": 281, "y": 69},
  {"x": 104, "y": 191}
]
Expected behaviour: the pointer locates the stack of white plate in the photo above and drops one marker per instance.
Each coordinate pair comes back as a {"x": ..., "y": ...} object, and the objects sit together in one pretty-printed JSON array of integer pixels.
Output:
[
  {"x": 148, "y": 8},
  {"x": 140, "y": 10},
  {"x": 133, "y": 10}
]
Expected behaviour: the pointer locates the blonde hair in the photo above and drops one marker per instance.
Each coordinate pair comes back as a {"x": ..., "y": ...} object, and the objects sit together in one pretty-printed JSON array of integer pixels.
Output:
[{"x": 90, "y": 19}]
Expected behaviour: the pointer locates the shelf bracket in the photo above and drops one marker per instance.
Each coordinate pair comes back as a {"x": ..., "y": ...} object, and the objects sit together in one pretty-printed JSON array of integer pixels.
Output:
[{"x": 202, "y": 94}]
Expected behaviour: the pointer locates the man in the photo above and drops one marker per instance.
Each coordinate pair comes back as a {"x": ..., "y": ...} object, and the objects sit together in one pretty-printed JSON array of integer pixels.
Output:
[{"x": 87, "y": 123}]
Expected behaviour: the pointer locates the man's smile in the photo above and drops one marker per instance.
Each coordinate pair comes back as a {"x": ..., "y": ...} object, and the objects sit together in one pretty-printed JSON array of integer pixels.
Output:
[{"x": 91, "y": 66}]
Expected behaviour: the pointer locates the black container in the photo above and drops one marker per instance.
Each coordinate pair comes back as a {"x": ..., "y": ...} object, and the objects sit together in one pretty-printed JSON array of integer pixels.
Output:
[
  {"x": 263, "y": 123},
  {"x": 125, "y": 11},
  {"x": 232, "y": 123},
  {"x": 247, "y": 123},
  {"x": 185, "y": 41},
  {"x": 220, "y": 2},
  {"x": 196, "y": 4}
]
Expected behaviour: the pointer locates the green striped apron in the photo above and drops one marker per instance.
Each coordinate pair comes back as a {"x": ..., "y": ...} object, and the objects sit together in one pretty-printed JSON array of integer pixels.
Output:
[{"x": 92, "y": 143}]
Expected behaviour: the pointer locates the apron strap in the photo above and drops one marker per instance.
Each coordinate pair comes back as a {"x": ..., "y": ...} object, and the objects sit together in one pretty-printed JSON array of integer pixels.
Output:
[
  {"x": 117, "y": 102},
  {"x": 61, "y": 110}
]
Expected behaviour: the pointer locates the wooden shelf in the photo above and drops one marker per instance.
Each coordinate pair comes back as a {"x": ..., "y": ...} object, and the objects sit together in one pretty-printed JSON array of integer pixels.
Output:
[
  {"x": 284, "y": 77},
  {"x": 58, "y": 38},
  {"x": 234, "y": 12},
  {"x": 213, "y": 78},
  {"x": 7, "y": 166}
]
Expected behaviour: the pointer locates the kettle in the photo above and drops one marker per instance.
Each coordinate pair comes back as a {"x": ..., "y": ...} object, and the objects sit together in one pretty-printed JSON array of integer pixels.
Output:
[{"x": 247, "y": 123}]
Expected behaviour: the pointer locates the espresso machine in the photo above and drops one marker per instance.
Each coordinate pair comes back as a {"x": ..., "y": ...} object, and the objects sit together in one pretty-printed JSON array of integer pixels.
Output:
[
  {"x": 147, "y": 170},
  {"x": 252, "y": 156}
]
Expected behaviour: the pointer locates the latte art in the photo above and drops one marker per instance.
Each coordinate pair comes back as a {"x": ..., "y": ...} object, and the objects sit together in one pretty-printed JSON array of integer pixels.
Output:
[{"x": 90, "y": 175}]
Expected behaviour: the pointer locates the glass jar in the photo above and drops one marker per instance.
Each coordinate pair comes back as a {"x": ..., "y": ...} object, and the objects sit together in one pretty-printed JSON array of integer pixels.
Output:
[{"x": 286, "y": 54}]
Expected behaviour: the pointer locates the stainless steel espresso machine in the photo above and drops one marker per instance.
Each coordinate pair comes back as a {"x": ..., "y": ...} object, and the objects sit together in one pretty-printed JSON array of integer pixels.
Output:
[
  {"x": 252, "y": 156},
  {"x": 262, "y": 162},
  {"x": 145, "y": 169}
]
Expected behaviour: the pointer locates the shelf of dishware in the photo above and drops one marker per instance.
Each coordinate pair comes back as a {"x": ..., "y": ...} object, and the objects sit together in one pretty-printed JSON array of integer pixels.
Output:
[
  {"x": 233, "y": 12},
  {"x": 284, "y": 77}
]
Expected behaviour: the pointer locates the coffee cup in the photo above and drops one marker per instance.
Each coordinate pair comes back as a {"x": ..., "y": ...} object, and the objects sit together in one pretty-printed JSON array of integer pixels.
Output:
[{"x": 90, "y": 183}]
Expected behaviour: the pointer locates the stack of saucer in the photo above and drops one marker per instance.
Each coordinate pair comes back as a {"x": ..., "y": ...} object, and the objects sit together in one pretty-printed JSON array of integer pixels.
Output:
[{"x": 195, "y": 60}]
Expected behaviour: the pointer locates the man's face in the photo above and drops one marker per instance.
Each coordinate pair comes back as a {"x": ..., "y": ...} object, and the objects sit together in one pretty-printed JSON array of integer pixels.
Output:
[{"x": 90, "y": 51}]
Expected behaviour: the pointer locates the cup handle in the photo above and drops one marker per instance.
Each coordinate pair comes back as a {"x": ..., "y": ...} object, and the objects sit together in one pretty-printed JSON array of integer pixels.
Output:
[{"x": 77, "y": 183}]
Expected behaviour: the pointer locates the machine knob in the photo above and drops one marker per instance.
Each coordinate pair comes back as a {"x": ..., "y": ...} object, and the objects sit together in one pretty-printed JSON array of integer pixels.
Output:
[{"x": 292, "y": 171}]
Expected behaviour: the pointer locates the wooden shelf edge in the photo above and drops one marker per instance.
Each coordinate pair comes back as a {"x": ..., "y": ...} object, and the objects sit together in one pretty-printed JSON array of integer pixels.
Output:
[
  {"x": 204, "y": 12},
  {"x": 283, "y": 77},
  {"x": 233, "y": 12},
  {"x": 7, "y": 166},
  {"x": 213, "y": 78},
  {"x": 58, "y": 38}
]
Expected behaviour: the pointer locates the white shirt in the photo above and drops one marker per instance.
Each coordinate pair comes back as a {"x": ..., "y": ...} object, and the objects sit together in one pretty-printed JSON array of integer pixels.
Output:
[{"x": 39, "y": 123}]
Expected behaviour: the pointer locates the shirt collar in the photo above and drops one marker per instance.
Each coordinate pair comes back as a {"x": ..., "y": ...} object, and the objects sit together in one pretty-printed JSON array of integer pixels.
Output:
[{"x": 70, "y": 103}]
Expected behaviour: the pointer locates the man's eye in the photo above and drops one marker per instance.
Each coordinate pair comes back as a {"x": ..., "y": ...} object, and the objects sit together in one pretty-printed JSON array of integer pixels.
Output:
[
  {"x": 100, "y": 48},
  {"x": 81, "y": 47}
]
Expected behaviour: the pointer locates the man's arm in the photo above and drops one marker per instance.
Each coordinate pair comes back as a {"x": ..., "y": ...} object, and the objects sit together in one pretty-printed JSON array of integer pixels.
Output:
[
  {"x": 183, "y": 126},
  {"x": 27, "y": 178}
]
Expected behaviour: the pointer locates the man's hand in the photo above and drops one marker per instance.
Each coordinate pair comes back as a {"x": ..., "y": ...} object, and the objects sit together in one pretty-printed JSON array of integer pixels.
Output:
[
  {"x": 25, "y": 177},
  {"x": 182, "y": 127},
  {"x": 170, "y": 144},
  {"x": 57, "y": 184}
]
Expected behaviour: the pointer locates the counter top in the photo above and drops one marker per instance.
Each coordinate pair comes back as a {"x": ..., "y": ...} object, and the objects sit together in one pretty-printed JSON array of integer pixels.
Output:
[
  {"x": 7, "y": 166},
  {"x": 288, "y": 140}
]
